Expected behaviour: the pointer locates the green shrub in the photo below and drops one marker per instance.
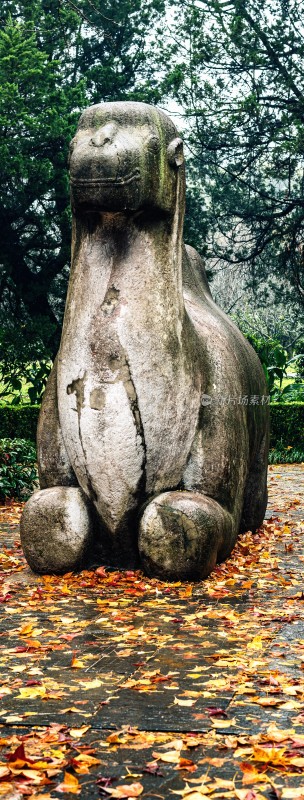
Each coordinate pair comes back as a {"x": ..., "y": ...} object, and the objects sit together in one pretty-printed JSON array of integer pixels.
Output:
[
  {"x": 25, "y": 360},
  {"x": 18, "y": 470},
  {"x": 286, "y": 455},
  {"x": 18, "y": 422},
  {"x": 276, "y": 363},
  {"x": 287, "y": 426}
]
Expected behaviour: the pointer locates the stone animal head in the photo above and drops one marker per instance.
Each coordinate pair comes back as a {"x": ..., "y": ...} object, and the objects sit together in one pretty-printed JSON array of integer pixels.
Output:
[{"x": 125, "y": 157}]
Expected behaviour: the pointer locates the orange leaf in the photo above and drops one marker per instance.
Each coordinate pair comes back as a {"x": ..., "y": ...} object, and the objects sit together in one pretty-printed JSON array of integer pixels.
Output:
[
  {"x": 26, "y": 629},
  {"x": 69, "y": 784},
  {"x": 269, "y": 755},
  {"x": 251, "y": 774},
  {"x": 76, "y": 663}
]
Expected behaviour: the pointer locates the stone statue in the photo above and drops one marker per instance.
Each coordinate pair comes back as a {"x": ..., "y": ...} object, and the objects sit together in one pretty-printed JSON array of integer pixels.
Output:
[{"x": 153, "y": 431}]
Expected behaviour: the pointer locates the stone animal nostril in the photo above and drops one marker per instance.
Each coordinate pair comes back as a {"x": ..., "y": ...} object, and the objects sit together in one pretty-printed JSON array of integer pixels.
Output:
[{"x": 103, "y": 136}]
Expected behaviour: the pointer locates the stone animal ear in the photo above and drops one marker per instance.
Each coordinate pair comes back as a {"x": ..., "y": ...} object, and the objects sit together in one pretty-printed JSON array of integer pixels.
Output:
[{"x": 175, "y": 152}]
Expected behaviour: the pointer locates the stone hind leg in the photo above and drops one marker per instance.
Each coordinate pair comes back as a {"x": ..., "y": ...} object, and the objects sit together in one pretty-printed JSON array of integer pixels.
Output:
[
  {"x": 56, "y": 529},
  {"x": 255, "y": 495},
  {"x": 53, "y": 462},
  {"x": 183, "y": 534}
]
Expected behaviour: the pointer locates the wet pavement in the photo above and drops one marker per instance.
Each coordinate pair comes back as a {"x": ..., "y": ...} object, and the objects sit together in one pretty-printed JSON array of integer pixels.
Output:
[{"x": 169, "y": 686}]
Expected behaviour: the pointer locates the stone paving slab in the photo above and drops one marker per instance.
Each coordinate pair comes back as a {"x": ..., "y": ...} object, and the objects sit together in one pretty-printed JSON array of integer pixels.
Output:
[{"x": 222, "y": 660}]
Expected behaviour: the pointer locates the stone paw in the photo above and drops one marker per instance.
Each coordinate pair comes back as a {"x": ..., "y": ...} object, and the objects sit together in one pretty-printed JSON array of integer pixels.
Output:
[
  {"x": 56, "y": 529},
  {"x": 183, "y": 534}
]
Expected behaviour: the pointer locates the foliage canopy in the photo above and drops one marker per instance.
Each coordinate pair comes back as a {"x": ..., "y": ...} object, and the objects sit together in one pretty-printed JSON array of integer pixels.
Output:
[
  {"x": 56, "y": 58},
  {"x": 242, "y": 89}
]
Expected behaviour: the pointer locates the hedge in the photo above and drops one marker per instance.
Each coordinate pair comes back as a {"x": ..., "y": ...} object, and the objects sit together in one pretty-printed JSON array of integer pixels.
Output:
[
  {"x": 286, "y": 423},
  {"x": 18, "y": 422}
]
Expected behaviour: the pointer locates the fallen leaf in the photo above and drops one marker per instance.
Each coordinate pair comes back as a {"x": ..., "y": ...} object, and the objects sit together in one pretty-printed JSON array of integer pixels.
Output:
[
  {"x": 179, "y": 702},
  {"x": 76, "y": 663},
  {"x": 87, "y": 685},
  {"x": 76, "y": 733},
  {"x": 69, "y": 784},
  {"x": 31, "y": 692},
  {"x": 133, "y": 790},
  {"x": 172, "y": 757}
]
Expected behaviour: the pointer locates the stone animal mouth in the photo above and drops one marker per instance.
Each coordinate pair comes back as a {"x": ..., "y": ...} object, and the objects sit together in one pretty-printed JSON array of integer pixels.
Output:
[{"x": 119, "y": 180}]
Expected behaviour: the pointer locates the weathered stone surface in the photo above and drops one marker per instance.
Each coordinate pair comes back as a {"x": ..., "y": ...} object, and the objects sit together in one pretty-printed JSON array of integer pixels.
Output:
[
  {"x": 56, "y": 529},
  {"x": 182, "y": 533},
  {"x": 146, "y": 406}
]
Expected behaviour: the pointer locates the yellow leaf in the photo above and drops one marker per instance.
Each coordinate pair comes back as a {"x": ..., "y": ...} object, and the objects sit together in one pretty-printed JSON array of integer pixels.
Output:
[
  {"x": 297, "y": 761},
  {"x": 84, "y": 758},
  {"x": 30, "y": 692},
  {"x": 275, "y": 734},
  {"x": 199, "y": 793},
  {"x": 33, "y": 774},
  {"x": 194, "y": 795},
  {"x": 174, "y": 744},
  {"x": 269, "y": 755},
  {"x": 95, "y": 684},
  {"x": 171, "y": 757},
  {"x": 223, "y": 723},
  {"x": 194, "y": 675},
  {"x": 26, "y": 629},
  {"x": 179, "y": 702},
  {"x": 4, "y": 771},
  {"x": 220, "y": 783},
  {"x": 291, "y": 704},
  {"x": 19, "y": 668},
  {"x": 76, "y": 733},
  {"x": 217, "y": 683},
  {"x": 8, "y": 793},
  {"x": 43, "y": 796},
  {"x": 256, "y": 643}
]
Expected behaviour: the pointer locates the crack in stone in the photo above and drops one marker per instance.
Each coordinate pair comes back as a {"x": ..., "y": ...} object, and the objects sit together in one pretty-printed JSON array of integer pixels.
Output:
[
  {"x": 134, "y": 406},
  {"x": 77, "y": 388}
]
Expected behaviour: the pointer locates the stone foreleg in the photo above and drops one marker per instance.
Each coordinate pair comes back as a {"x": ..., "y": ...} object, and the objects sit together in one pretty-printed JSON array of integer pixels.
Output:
[
  {"x": 53, "y": 462},
  {"x": 183, "y": 534},
  {"x": 57, "y": 523}
]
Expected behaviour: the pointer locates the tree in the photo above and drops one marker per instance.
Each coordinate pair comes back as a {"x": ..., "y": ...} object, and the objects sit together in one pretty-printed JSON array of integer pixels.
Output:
[
  {"x": 56, "y": 57},
  {"x": 241, "y": 85}
]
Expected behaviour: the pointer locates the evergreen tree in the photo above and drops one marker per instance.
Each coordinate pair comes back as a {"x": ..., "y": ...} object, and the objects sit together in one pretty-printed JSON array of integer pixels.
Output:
[
  {"x": 241, "y": 84},
  {"x": 56, "y": 57}
]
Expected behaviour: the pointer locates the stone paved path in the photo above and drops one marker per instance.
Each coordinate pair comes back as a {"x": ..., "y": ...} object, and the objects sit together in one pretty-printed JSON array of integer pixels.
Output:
[{"x": 164, "y": 684}]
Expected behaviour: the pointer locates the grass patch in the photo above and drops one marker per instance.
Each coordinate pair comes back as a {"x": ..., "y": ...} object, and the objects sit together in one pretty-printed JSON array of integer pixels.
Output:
[{"x": 286, "y": 455}]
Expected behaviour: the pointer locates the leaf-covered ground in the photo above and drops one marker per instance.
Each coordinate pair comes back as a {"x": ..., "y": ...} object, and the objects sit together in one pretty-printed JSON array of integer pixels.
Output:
[{"x": 114, "y": 685}]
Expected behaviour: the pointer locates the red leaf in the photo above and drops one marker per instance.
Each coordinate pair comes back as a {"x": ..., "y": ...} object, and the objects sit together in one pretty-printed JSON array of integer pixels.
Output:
[{"x": 18, "y": 755}]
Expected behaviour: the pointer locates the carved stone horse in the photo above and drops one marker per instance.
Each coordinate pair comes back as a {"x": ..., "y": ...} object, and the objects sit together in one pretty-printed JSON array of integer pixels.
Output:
[{"x": 153, "y": 432}]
